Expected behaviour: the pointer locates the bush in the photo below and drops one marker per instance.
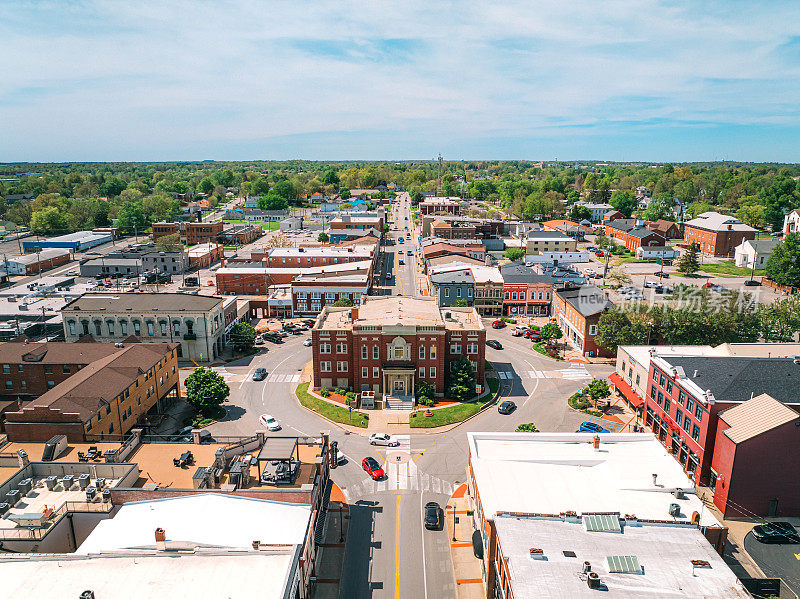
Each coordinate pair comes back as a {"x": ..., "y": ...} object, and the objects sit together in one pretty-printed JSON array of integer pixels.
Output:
[
  {"x": 508, "y": 320},
  {"x": 535, "y": 327},
  {"x": 339, "y": 391},
  {"x": 426, "y": 401},
  {"x": 324, "y": 392},
  {"x": 528, "y": 427}
]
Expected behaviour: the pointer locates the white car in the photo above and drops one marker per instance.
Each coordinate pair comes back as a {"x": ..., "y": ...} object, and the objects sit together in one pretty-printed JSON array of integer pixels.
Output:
[
  {"x": 269, "y": 422},
  {"x": 516, "y": 332},
  {"x": 307, "y": 342},
  {"x": 383, "y": 439}
]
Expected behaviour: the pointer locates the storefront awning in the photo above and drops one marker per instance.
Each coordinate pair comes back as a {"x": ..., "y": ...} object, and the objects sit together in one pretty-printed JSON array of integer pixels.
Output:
[{"x": 626, "y": 390}]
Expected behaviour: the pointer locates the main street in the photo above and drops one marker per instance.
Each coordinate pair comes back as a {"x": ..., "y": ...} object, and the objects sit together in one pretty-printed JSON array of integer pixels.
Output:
[{"x": 389, "y": 552}]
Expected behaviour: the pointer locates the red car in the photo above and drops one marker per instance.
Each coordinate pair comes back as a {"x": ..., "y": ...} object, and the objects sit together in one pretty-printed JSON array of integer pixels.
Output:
[
  {"x": 372, "y": 468},
  {"x": 600, "y": 254},
  {"x": 708, "y": 284},
  {"x": 498, "y": 324}
]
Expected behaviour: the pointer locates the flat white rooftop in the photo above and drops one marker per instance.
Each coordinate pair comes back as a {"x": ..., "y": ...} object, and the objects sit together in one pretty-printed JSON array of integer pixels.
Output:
[
  {"x": 363, "y": 251},
  {"x": 550, "y": 473},
  {"x": 662, "y": 552},
  {"x": 205, "y": 519},
  {"x": 167, "y": 574}
]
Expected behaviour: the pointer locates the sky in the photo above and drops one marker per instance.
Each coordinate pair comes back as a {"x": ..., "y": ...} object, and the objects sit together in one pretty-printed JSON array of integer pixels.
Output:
[{"x": 622, "y": 80}]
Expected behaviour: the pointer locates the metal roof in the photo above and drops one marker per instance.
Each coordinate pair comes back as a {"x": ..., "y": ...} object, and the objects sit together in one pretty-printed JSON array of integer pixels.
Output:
[{"x": 756, "y": 416}]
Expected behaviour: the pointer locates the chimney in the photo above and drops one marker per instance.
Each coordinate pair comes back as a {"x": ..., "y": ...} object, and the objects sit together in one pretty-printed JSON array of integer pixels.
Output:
[
  {"x": 256, "y": 545},
  {"x": 161, "y": 536},
  {"x": 596, "y": 442},
  {"x": 655, "y": 478},
  {"x": 22, "y": 458},
  {"x": 354, "y": 313}
]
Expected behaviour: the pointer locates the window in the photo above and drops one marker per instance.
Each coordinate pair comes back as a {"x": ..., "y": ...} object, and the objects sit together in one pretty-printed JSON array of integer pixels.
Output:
[
  {"x": 65, "y": 369},
  {"x": 422, "y": 372},
  {"x": 667, "y": 404},
  {"x": 71, "y": 325},
  {"x": 364, "y": 352},
  {"x": 324, "y": 348},
  {"x": 637, "y": 379},
  {"x": 137, "y": 327},
  {"x": 341, "y": 366},
  {"x": 469, "y": 292},
  {"x": 695, "y": 432},
  {"x": 364, "y": 372},
  {"x": 447, "y": 292},
  {"x": 9, "y": 385},
  {"x": 189, "y": 327},
  {"x": 48, "y": 369},
  {"x": 669, "y": 388},
  {"x": 341, "y": 348},
  {"x": 660, "y": 399},
  {"x": 325, "y": 366},
  {"x": 6, "y": 368},
  {"x": 678, "y": 417},
  {"x": 682, "y": 397},
  {"x": 698, "y": 413},
  {"x": 472, "y": 348},
  {"x": 689, "y": 404},
  {"x": 376, "y": 372},
  {"x": 110, "y": 428},
  {"x": 108, "y": 409},
  {"x": 593, "y": 329},
  {"x": 421, "y": 352},
  {"x": 24, "y": 383},
  {"x": 455, "y": 348},
  {"x": 655, "y": 375},
  {"x": 98, "y": 327},
  {"x": 687, "y": 424},
  {"x": 330, "y": 295},
  {"x": 375, "y": 351},
  {"x": 458, "y": 291},
  {"x": 662, "y": 380},
  {"x": 51, "y": 384},
  {"x": 85, "y": 326},
  {"x": 123, "y": 327},
  {"x": 432, "y": 372},
  {"x": 150, "y": 328},
  {"x": 433, "y": 352}
]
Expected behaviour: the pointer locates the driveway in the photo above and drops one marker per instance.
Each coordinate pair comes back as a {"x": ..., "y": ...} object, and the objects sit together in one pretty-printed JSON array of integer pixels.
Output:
[{"x": 776, "y": 561}]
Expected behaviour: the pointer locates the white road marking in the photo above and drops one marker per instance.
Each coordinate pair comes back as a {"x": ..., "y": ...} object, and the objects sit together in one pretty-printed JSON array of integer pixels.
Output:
[{"x": 501, "y": 374}]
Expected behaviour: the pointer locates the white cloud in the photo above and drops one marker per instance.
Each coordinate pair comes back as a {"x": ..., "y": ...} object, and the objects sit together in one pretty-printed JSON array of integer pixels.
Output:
[{"x": 108, "y": 80}]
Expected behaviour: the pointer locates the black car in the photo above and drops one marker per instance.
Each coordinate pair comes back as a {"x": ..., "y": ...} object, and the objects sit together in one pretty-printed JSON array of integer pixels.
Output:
[
  {"x": 776, "y": 532},
  {"x": 309, "y": 322},
  {"x": 433, "y": 516},
  {"x": 663, "y": 275},
  {"x": 494, "y": 344},
  {"x": 259, "y": 374},
  {"x": 506, "y": 407},
  {"x": 752, "y": 283}
]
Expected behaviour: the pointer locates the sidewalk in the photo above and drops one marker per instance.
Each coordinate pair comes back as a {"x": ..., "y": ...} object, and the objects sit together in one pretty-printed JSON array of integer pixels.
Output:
[
  {"x": 331, "y": 549},
  {"x": 466, "y": 567}
]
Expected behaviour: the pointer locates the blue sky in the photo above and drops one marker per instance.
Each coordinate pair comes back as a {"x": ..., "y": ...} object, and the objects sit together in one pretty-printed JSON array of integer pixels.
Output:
[{"x": 238, "y": 80}]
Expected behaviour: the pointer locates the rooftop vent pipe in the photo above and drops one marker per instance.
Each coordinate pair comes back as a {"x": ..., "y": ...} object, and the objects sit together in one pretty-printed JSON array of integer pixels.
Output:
[
  {"x": 161, "y": 536},
  {"x": 655, "y": 478}
]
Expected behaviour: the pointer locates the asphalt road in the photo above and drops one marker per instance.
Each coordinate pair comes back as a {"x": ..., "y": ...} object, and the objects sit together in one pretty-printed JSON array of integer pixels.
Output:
[{"x": 389, "y": 552}]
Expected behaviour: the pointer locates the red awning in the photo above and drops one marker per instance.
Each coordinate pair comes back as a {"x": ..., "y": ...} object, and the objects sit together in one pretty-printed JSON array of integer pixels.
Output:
[{"x": 626, "y": 390}]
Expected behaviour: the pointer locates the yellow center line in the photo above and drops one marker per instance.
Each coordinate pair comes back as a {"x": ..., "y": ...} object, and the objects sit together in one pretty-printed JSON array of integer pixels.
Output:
[{"x": 397, "y": 549}]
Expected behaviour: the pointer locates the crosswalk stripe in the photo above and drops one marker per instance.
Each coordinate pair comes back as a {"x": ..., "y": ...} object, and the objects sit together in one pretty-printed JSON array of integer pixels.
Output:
[{"x": 501, "y": 374}]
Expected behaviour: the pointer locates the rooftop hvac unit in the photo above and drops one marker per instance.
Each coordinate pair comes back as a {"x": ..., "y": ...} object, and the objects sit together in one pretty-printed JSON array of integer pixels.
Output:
[
  {"x": 67, "y": 481},
  {"x": 4, "y": 507},
  {"x": 83, "y": 481},
  {"x": 50, "y": 482},
  {"x": 90, "y": 493},
  {"x": 674, "y": 510},
  {"x": 25, "y": 485},
  {"x": 12, "y": 497}
]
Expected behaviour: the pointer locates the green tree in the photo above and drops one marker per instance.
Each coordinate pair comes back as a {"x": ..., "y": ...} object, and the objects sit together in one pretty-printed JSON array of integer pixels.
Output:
[
  {"x": 331, "y": 178},
  {"x": 598, "y": 389},
  {"x": 752, "y": 215},
  {"x": 272, "y": 201},
  {"x": 689, "y": 263},
  {"x": 660, "y": 207},
  {"x": 259, "y": 187},
  {"x": 780, "y": 320},
  {"x": 205, "y": 389},
  {"x": 624, "y": 202},
  {"x": 112, "y": 187},
  {"x": 461, "y": 380},
  {"x": 783, "y": 265},
  {"x": 462, "y": 303},
  {"x": 603, "y": 242},
  {"x": 515, "y": 253},
  {"x": 158, "y": 207},
  {"x": 343, "y": 302},
  {"x": 323, "y": 237},
  {"x": 169, "y": 243},
  {"x": 551, "y": 332},
  {"x": 579, "y": 213},
  {"x": 285, "y": 189},
  {"x": 615, "y": 328},
  {"x": 243, "y": 336},
  {"x": 49, "y": 221},
  {"x": 131, "y": 217},
  {"x": 528, "y": 427},
  {"x": 206, "y": 186},
  {"x": 344, "y": 194}
]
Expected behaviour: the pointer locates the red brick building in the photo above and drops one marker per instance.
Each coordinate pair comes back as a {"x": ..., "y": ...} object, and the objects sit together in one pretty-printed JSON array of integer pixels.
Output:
[
  {"x": 391, "y": 345},
  {"x": 692, "y": 403},
  {"x": 717, "y": 234},
  {"x": 191, "y": 233},
  {"x": 578, "y": 311},
  {"x": 667, "y": 228},
  {"x": 634, "y": 236},
  {"x": 286, "y": 257},
  {"x": 255, "y": 280},
  {"x": 524, "y": 291},
  {"x": 440, "y": 206}
]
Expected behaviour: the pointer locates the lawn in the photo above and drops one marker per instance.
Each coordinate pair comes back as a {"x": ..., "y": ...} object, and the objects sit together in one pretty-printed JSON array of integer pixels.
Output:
[
  {"x": 446, "y": 416},
  {"x": 726, "y": 268},
  {"x": 328, "y": 410}
]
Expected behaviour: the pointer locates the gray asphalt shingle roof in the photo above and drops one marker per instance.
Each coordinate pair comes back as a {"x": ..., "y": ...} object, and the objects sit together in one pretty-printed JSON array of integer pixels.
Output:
[{"x": 517, "y": 272}]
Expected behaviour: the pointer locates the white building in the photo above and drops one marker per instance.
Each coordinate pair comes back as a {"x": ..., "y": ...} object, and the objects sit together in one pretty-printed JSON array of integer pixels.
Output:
[
  {"x": 597, "y": 210},
  {"x": 791, "y": 222},
  {"x": 754, "y": 253},
  {"x": 656, "y": 251},
  {"x": 214, "y": 546},
  {"x": 545, "y": 504},
  {"x": 195, "y": 321}
]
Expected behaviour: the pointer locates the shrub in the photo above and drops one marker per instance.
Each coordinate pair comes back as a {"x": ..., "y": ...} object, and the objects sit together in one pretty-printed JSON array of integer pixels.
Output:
[
  {"x": 425, "y": 401},
  {"x": 508, "y": 320},
  {"x": 339, "y": 391},
  {"x": 324, "y": 392},
  {"x": 528, "y": 427}
]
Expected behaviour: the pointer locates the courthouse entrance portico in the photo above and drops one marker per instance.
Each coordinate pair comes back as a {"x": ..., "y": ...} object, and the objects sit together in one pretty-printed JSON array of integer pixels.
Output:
[{"x": 398, "y": 382}]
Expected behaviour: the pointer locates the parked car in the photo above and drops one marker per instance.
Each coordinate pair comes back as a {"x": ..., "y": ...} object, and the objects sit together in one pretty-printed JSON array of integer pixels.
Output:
[
  {"x": 307, "y": 342},
  {"x": 600, "y": 254},
  {"x": 259, "y": 374},
  {"x": 516, "y": 332},
  {"x": 269, "y": 422},
  {"x": 259, "y": 340},
  {"x": 591, "y": 248},
  {"x": 371, "y": 466},
  {"x": 182, "y": 434},
  {"x": 776, "y": 532},
  {"x": 383, "y": 439},
  {"x": 494, "y": 344},
  {"x": 591, "y": 427},
  {"x": 433, "y": 516},
  {"x": 708, "y": 285},
  {"x": 651, "y": 284},
  {"x": 498, "y": 324},
  {"x": 400, "y": 261},
  {"x": 507, "y": 407},
  {"x": 663, "y": 275},
  {"x": 310, "y": 322}
]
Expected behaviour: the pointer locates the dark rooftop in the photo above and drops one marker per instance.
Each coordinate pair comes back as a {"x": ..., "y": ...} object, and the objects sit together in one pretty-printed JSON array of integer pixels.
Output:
[
  {"x": 142, "y": 302},
  {"x": 587, "y": 300},
  {"x": 517, "y": 272},
  {"x": 740, "y": 378}
]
